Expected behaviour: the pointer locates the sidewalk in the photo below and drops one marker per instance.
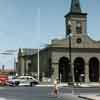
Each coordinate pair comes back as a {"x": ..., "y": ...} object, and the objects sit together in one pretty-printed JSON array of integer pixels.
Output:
[
  {"x": 92, "y": 84},
  {"x": 83, "y": 85},
  {"x": 69, "y": 97},
  {"x": 82, "y": 96},
  {"x": 51, "y": 85},
  {"x": 90, "y": 97}
]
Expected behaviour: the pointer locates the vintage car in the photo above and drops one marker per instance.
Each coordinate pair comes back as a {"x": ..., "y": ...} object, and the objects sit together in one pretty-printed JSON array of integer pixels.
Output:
[{"x": 23, "y": 81}]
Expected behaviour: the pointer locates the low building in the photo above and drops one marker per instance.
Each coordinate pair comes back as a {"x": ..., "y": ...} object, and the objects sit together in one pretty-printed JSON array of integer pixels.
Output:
[{"x": 24, "y": 62}]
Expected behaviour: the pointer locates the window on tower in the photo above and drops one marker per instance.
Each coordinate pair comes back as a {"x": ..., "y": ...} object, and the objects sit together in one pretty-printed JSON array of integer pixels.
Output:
[
  {"x": 78, "y": 27},
  {"x": 69, "y": 25}
]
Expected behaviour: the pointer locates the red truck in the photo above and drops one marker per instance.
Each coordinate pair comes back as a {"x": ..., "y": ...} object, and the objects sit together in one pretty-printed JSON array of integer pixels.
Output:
[{"x": 3, "y": 80}]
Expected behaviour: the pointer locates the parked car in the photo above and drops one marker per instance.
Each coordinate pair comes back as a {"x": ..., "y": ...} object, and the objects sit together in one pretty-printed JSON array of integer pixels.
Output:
[
  {"x": 23, "y": 81},
  {"x": 3, "y": 80}
]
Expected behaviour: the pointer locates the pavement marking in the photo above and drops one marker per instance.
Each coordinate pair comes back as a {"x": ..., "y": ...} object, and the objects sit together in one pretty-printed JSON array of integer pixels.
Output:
[
  {"x": 1, "y": 87},
  {"x": 2, "y": 98}
]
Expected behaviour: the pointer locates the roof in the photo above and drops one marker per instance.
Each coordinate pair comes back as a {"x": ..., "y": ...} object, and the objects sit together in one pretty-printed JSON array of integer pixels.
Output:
[{"x": 28, "y": 51}]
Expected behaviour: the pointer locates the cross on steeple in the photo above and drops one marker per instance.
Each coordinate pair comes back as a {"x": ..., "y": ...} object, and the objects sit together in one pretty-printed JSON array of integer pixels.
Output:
[{"x": 75, "y": 6}]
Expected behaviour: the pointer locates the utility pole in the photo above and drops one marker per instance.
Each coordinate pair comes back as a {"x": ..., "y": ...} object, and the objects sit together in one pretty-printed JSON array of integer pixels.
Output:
[
  {"x": 70, "y": 56},
  {"x": 38, "y": 53},
  {"x": 38, "y": 63}
]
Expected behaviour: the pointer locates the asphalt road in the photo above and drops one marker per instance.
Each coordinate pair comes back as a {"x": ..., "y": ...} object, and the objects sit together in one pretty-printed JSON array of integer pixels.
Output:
[{"x": 43, "y": 93}]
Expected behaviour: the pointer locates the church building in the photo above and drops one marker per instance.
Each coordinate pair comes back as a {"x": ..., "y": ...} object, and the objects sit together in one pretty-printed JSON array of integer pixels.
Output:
[{"x": 75, "y": 57}]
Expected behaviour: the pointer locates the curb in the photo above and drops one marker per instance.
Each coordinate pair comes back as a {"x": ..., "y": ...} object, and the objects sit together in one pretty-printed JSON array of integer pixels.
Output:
[
  {"x": 50, "y": 85},
  {"x": 85, "y": 98},
  {"x": 90, "y": 97},
  {"x": 42, "y": 85}
]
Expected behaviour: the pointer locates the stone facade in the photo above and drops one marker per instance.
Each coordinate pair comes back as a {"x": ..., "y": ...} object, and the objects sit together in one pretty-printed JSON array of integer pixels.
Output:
[
  {"x": 24, "y": 64},
  {"x": 54, "y": 60}
]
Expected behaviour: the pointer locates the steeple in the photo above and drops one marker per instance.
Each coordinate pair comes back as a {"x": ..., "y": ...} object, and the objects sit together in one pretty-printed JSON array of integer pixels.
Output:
[
  {"x": 75, "y": 6},
  {"x": 77, "y": 19}
]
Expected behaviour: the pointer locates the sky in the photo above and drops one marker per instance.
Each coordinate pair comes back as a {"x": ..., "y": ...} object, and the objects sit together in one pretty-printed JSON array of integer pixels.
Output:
[{"x": 34, "y": 23}]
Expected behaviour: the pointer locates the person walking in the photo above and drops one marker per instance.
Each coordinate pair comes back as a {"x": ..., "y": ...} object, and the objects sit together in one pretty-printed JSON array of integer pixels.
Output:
[{"x": 56, "y": 87}]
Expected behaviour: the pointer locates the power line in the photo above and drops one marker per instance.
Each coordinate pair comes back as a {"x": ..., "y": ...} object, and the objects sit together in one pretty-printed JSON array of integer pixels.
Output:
[{"x": 6, "y": 53}]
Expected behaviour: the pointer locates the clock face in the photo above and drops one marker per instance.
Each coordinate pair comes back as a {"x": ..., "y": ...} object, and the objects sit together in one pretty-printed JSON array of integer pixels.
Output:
[{"x": 78, "y": 40}]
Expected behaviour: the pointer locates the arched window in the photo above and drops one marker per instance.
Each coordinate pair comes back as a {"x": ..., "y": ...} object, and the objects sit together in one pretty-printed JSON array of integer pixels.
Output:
[{"x": 78, "y": 27}]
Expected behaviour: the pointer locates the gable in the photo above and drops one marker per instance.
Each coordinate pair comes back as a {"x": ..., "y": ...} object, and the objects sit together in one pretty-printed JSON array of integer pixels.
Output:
[{"x": 86, "y": 42}]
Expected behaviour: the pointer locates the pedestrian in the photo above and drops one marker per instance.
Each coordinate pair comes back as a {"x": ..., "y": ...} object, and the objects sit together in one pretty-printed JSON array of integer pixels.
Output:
[{"x": 56, "y": 87}]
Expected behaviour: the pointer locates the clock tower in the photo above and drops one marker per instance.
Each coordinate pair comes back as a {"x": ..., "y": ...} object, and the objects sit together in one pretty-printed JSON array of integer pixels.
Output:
[{"x": 76, "y": 20}]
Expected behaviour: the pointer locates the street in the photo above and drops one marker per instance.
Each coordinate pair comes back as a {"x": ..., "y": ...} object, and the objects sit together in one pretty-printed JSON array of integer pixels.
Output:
[{"x": 43, "y": 93}]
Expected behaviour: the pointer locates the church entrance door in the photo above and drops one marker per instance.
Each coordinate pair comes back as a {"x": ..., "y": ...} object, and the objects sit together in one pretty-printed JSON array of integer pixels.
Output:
[
  {"x": 94, "y": 70},
  {"x": 64, "y": 69},
  {"x": 79, "y": 69}
]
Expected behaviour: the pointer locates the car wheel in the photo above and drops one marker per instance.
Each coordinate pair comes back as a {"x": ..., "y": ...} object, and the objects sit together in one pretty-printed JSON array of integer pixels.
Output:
[
  {"x": 13, "y": 84},
  {"x": 31, "y": 84},
  {"x": 17, "y": 83}
]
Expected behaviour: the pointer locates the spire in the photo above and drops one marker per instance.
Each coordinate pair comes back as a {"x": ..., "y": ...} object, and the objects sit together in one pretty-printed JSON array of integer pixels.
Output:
[{"x": 75, "y": 6}]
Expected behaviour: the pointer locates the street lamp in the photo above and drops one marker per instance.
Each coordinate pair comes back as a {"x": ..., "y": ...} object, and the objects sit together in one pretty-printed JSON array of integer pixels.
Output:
[
  {"x": 38, "y": 52},
  {"x": 70, "y": 56}
]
